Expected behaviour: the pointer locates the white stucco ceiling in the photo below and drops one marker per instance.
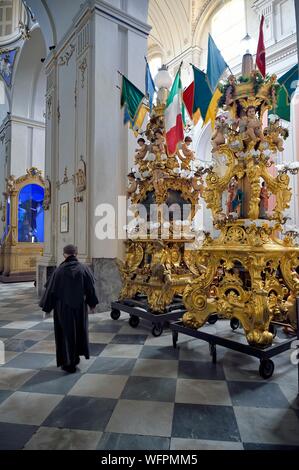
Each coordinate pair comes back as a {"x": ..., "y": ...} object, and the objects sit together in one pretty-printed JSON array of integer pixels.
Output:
[{"x": 174, "y": 24}]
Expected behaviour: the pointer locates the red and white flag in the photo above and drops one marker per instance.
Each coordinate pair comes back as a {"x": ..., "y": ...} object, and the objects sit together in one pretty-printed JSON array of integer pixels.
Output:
[
  {"x": 174, "y": 116},
  {"x": 261, "y": 52}
]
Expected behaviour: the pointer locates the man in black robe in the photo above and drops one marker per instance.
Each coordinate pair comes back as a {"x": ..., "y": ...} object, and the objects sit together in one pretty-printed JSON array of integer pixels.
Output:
[{"x": 69, "y": 291}]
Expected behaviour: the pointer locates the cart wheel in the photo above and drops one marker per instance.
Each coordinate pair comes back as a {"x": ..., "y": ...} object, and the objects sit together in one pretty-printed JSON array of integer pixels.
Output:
[
  {"x": 234, "y": 323},
  {"x": 212, "y": 319},
  {"x": 157, "y": 330},
  {"x": 213, "y": 352},
  {"x": 266, "y": 368},
  {"x": 273, "y": 330},
  {"x": 134, "y": 321},
  {"x": 175, "y": 336},
  {"x": 115, "y": 314}
]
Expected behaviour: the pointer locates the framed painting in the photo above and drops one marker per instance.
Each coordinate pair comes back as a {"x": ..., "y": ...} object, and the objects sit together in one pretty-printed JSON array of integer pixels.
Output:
[{"x": 64, "y": 217}]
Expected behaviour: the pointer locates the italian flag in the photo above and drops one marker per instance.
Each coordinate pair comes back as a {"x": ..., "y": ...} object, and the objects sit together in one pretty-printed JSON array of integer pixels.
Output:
[{"x": 174, "y": 116}]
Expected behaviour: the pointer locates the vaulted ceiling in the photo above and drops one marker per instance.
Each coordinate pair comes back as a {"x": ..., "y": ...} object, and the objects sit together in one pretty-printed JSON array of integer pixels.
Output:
[{"x": 174, "y": 24}]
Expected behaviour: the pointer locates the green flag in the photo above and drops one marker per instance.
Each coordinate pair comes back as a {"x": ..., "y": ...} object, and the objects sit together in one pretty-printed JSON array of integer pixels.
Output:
[
  {"x": 131, "y": 97},
  {"x": 288, "y": 83}
]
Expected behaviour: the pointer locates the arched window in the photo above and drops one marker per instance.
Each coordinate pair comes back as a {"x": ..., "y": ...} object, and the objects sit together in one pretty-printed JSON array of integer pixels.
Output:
[
  {"x": 228, "y": 28},
  {"x": 11, "y": 12}
]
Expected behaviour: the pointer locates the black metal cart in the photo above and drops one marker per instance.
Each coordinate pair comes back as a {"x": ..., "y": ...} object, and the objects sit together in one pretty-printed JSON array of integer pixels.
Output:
[
  {"x": 266, "y": 368},
  {"x": 139, "y": 308}
]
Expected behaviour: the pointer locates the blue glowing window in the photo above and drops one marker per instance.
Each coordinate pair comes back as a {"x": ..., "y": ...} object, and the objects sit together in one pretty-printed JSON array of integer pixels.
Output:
[{"x": 31, "y": 214}]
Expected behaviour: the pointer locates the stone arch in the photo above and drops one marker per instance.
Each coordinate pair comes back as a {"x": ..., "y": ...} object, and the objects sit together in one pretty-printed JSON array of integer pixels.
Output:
[{"x": 29, "y": 80}]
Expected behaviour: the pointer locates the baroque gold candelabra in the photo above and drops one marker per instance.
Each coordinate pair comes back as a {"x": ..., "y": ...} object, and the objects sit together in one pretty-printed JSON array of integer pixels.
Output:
[
  {"x": 164, "y": 191},
  {"x": 249, "y": 271}
]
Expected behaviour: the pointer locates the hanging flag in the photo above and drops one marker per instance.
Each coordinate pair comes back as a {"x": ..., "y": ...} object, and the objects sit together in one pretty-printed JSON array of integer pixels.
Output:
[
  {"x": 7, "y": 60},
  {"x": 213, "y": 108},
  {"x": 126, "y": 116},
  {"x": 131, "y": 97},
  {"x": 261, "y": 52},
  {"x": 150, "y": 87},
  {"x": 288, "y": 83},
  {"x": 216, "y": 65},
  {"x": 188, "y": 99},
  {"x": 202, "y": 94},
  {"x": 174, "y": 115},
  {"x": 139, "y": 119},
  {"x": 197, "y": 96}
]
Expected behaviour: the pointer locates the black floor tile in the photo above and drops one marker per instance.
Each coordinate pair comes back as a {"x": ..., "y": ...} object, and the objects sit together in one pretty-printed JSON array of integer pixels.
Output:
[
  {"x": 31, "y": 361},
  {"x": 15, "y": 436},
  {"x": 254, "y": 446},
  {"x": 154, "y": 352},
  {"x": 43, "y": 326},
  {"x": 129, "y": 339},
  {"x": 9, "y": 332},
  {"x": 257, "y": 394},
  {"x": 149, "y": 388},
  {"x": 84, "y": 413},
  {"x": 95, "y": 348},
  {"x": 112, "y": 365},
  {"x": 4, "y": 394},
  {"x": 200, "y": 370},
  {"x": 205, "y": 422},
  {"x": 51, "y": 382},
  {"x": 114, "y": 441},
  {"x": 105, "y": 327},
  {"x": 18, "y": 345}
]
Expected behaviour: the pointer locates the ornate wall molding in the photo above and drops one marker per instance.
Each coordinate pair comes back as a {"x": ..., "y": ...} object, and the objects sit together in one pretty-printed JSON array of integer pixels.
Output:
[
  {"x": 82, "y": 68},
  {"x": 65, "y": 58}
]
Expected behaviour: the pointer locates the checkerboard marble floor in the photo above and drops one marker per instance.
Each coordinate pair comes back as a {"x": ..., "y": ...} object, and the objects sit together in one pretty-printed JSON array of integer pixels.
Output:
[{"x": 136, "y": 391}]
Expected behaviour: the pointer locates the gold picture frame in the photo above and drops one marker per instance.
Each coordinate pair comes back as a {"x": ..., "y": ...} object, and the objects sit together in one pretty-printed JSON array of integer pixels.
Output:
[{"x": 64, "y": 217}]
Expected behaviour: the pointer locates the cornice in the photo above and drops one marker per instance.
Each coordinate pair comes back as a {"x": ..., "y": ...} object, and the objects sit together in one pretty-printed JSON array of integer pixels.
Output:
[
  {"x": 101, "y": 8},
  {"x": 121, "y": 17}
]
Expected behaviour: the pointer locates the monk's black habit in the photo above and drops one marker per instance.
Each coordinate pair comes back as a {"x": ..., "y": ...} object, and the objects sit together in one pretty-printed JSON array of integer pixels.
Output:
[{"x": 68, "y": 291}]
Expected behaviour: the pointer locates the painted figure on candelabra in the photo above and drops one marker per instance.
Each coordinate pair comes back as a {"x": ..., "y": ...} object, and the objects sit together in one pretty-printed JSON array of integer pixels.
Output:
[{"x": 264, "y": 201}]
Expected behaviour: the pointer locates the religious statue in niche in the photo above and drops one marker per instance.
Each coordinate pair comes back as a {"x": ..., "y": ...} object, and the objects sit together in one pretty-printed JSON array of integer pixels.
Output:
[
  {"x": 264, "y": 201},
  {"x": 231, "y": 195},
  {"x": 237, "y": 202},
  {"x": 80, "y": 180}
]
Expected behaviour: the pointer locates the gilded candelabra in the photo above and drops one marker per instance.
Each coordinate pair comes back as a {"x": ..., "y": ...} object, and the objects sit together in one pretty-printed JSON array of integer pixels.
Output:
[
  {"x": 163, "y": 191},
  {"x": 249, "y": 271}
]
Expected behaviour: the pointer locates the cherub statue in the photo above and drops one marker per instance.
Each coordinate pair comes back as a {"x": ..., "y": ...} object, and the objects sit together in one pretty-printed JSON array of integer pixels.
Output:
[
  {"x": 132, "y": 187},
  {"x": 275, "y": 130},
  {"x": 141, "y": 151},
  {"x": 159, "y": 143},
  {"x": 10, "y": 183},
  {"x": 253, "y": 126},
  {"x": 218, "y": 136},
  {"x": 264, "y": 201},
  {"x": 187, "y": 152}
]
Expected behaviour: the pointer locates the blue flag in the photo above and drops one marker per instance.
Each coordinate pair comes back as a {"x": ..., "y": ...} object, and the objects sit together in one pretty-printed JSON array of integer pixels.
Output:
[
  {"x": 216, "y": 64},
  {"x": 149, "y": 85}
]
